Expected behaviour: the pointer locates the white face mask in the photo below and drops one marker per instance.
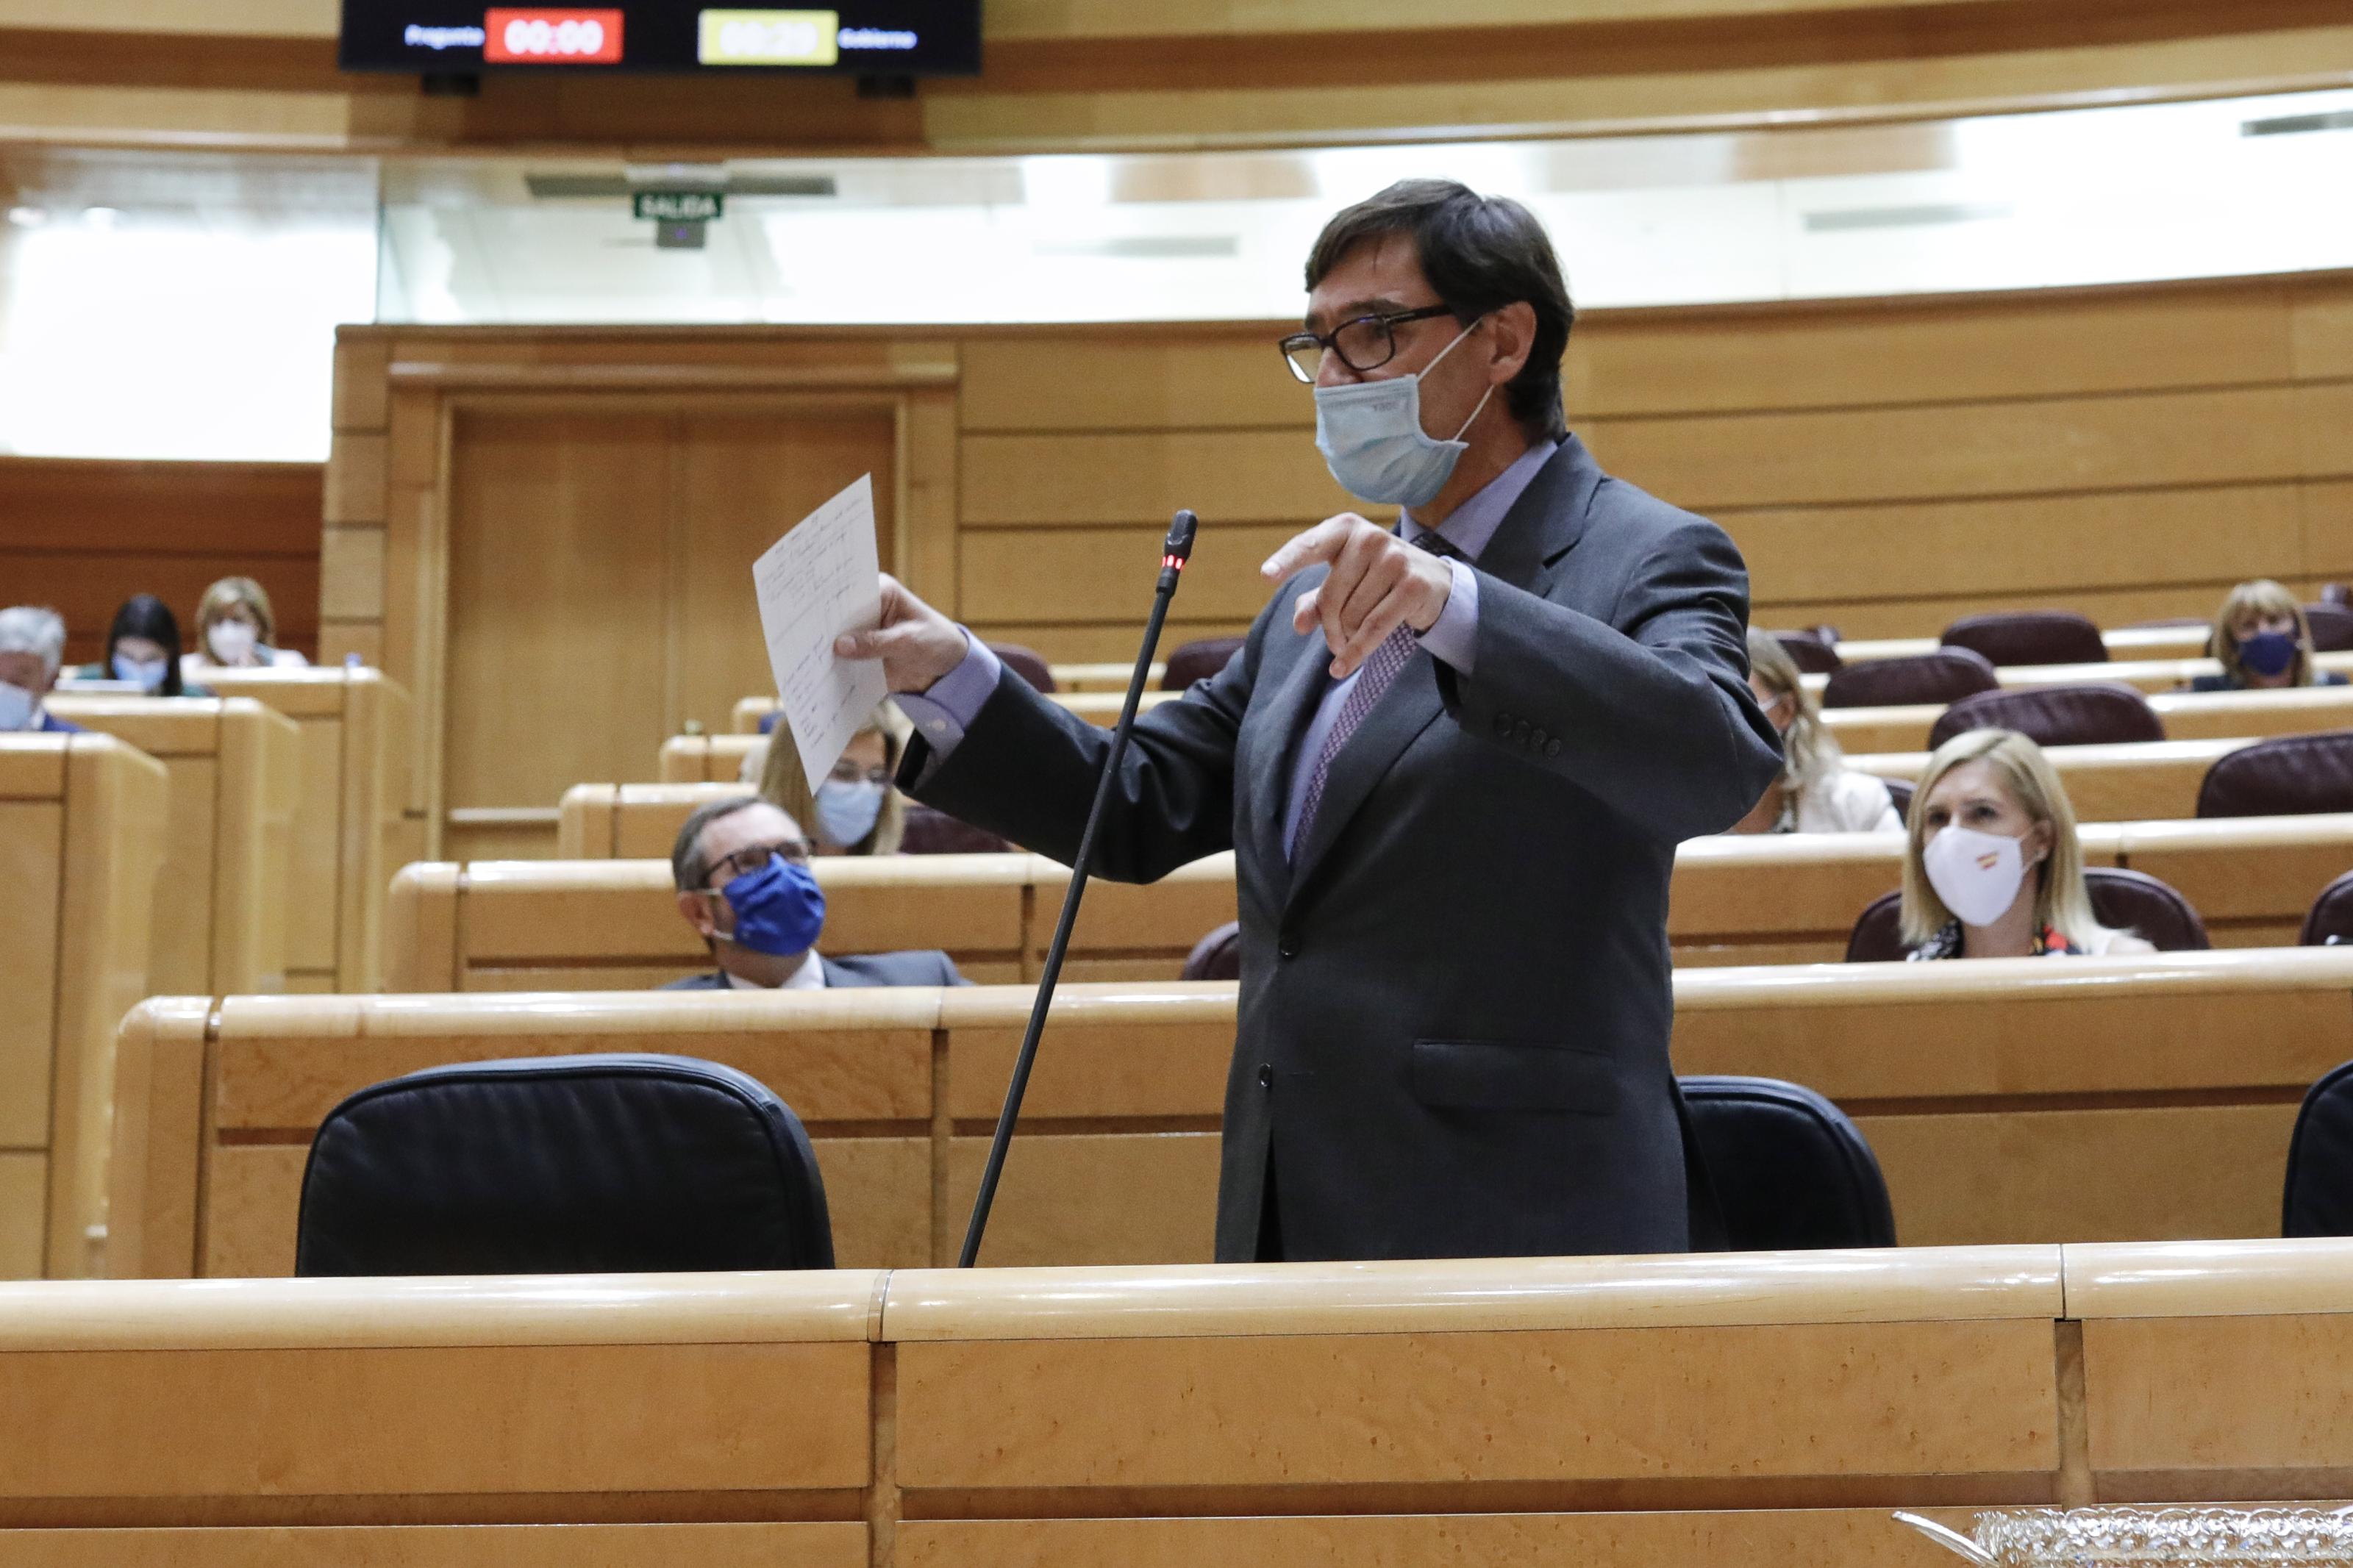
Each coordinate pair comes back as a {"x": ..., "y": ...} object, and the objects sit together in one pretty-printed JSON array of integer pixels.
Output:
[
  {"x": 231, "y": 641},
  {"x": 846, "y": 810},
  {"x": 147, "y": 672},
  {"x": 1976, "y": 875},
  {"x": 1371, "y": 438},
  {"x": 18, "y": 707}
]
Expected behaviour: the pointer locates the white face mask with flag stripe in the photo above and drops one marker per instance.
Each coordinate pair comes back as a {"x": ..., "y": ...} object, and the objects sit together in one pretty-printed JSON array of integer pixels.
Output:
[{"x": 1976, "y": 875}]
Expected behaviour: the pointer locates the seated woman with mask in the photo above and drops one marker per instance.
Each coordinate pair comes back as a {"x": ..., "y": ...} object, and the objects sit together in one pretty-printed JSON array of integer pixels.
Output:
[
  {"x": 741, "y": 870},
  {"x": 855, "y": 811},
  {"x": 1994, "y": 870},
  {"x": 1816, "y": 792},
  {"x": 2262, "y": 641},
  {"x": 143, "y": 647},
  {"x": 234, "y": 627}
]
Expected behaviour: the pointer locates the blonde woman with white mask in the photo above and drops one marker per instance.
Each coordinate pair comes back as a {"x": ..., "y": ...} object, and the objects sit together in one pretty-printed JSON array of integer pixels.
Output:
[
  {"x": 1816, "y": 792},
  {"x": 1994, "y": 870}
]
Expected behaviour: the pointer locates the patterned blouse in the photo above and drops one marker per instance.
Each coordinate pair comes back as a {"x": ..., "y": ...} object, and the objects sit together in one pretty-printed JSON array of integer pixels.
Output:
[{"x": 2049, "y": 942}]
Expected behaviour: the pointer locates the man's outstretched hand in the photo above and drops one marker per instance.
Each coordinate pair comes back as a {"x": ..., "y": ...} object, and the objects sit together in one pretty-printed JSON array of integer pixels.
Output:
[
  {"x": 916, "y": 644},
  {"x": 1378, "y": 584}
]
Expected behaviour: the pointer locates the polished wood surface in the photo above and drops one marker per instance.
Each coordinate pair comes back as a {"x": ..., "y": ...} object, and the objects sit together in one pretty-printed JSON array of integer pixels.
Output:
[
  {"x": 235, "y": 766},
  {"x": 355, "y": 747},
  {"x": 82, "y": 825},
  {"x": 2009, "y": 1101},
  {"x": 815, "y": 1544},
  {"x": 2147, "y": 781},
  {"x": 2187, "y": 716}
]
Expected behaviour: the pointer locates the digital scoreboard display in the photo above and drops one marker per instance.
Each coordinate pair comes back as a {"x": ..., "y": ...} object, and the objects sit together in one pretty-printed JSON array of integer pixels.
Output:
[{"x": 859, "y": 37}]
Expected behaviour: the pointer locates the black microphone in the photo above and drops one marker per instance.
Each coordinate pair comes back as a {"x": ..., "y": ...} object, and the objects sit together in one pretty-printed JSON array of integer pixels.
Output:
[{"x": 1175, "y": 551}]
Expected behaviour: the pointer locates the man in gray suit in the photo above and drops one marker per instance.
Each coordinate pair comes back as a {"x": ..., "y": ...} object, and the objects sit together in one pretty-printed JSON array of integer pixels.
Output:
[
  {"x": 742, "y": 870},
  {"x": 1454, "y": 759}
]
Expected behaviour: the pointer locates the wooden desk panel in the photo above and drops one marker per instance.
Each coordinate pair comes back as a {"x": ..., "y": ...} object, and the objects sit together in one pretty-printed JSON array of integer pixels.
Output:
[
  {"x": 2187, "y": 716},
  {"x": 2156, "y": 780},
  {"x": 809, "y": 1545}
]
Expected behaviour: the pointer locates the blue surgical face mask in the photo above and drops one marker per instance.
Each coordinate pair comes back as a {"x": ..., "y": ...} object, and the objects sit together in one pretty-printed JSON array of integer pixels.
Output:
[
  {"x": 18, "y": 708},
  {"x": 846, "y": 810},
  {"x": 780, "y": 909},
  {"x": 1371, "y": 438},
  {"x": 2268, "y": 653},
  {"x": 147, "y": 672}
]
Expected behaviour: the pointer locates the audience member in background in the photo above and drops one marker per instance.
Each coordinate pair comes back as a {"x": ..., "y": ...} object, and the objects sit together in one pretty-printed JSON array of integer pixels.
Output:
[
  {"x": 1816, "y": 792},
  {"x": 143, "y": 646},
  {"x": 32, "y": 646},
  {"x": 855, "y": 811},
  {"x": 1994, "y": 870},
  {"x": 745, "y": 885},
  {"x": 2260, "y": 637},
  {"x": 235, "y": 628}
]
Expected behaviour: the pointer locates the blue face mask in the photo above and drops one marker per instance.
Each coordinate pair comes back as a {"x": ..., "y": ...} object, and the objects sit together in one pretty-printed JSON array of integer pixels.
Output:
[
  {"x": 149, "y": 672},
  {"x": 846, "y": 810},
  {"x": 1371, "y": 438},
  {"x": 2268, "y": 653},
  {"x": 780, "y": 909}
]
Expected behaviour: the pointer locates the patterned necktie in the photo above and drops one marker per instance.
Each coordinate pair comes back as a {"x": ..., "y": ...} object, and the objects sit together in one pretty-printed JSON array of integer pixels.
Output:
[{"x": 1373, "y": 677}]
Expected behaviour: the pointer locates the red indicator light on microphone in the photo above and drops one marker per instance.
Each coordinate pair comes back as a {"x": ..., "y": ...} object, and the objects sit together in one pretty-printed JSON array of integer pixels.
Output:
[
  {"x": 551, "y": 38},
  {"x": 1175, "y": 560}
]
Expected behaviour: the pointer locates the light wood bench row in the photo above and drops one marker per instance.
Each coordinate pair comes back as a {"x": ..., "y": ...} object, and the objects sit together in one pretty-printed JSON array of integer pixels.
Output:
[
  {"x": 2150, "y": 675},
  {"x": 598, "y": 924},
  {"x": 2187, "y": 716},
  {"x": 234, "y": 773},
  {"x": 82, "y": 825},
  {"x": 1647, "y": 1413},
  {"x": 2009, "y": 1101}
]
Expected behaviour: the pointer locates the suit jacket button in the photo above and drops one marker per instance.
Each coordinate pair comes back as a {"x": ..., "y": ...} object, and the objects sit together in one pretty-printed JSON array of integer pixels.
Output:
[
  {"x": 1552, "y": 747},
  {"x": 1503, "y": 724},
  {"x": 1286, "y": 948},
  {"x": 1537, "y": 738},
  {"x": 1266, "y": 1075},
  {"x": 1520, "y": 732}
]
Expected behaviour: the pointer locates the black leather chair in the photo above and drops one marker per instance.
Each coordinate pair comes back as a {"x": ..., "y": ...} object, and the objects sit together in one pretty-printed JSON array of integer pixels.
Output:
[
  {"x": 1217, "y": 956},
  {"x": 1026, "y": 662},
  {"x": 2330, "y": 919},
  {"x": 2319, "y": 1196},
  {"x": 2098, "y": 713},
  {"x": 2129, "y": 900},
  {"x": 1945, "y": 675},
  {"x": 562, "y": 1165},
  {"x": 2332, "y": 628},
  {"x": 2029, "y": 636},
  {"x": 2288, "y": 776},
  {"x": 1789, "y": 1170},
  {"x": 933, "y": 832},
  {"x": 1900, "y": 791},
  {"x": 1198, "y": 660},
  {"x": 1809, "y": 653}
]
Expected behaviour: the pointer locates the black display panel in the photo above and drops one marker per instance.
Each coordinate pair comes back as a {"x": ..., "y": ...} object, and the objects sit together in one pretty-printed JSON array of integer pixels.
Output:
[{"x": 856, "y": 38}]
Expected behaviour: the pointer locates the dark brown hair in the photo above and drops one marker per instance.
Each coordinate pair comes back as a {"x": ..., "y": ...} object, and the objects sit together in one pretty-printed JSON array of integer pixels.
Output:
[{"x": 1480, "y": 253}]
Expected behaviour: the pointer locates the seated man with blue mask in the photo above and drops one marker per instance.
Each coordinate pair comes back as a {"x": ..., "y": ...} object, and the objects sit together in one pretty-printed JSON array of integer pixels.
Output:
[
  {"x": 32, "y": 647},
  {"x": 745, "y": 885}
]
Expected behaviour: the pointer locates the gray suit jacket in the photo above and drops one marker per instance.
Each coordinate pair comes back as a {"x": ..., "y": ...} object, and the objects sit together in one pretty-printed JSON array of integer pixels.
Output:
[
  {"x": 1455, "y": 1003},
  {"x": 916, "y": 967}
]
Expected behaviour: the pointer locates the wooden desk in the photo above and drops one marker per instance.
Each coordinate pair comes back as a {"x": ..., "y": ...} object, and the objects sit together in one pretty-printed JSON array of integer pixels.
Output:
[
  {"x": 354, "y": 744},
  {"x": 2124, "y": 642},
  {"x": 2009, "y": 1101},
  {"x": 2150, "y": 675},
  {"x": 2187, "y": 716},
  {"x": 222, "y": 920},
  {"x": 630, "y": 822},
  {"x": 82, "y": 823}
]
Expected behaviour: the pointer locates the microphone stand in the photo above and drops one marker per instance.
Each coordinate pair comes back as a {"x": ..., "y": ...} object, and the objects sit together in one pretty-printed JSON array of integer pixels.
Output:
[{"x": 1174, "y": 552}]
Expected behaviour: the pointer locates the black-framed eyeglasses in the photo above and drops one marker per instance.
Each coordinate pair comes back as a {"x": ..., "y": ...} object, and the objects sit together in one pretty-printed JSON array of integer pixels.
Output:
[
  {"x": 751, "y": 858},
  {"x": 1367, "y": 343}
]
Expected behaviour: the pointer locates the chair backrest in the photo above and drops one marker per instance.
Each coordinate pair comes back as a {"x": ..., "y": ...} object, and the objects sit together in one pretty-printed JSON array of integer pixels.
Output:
[
  {"x": 1198, "y": 660},
  {"x": 1810, "y": 652},
  {"x": 1947, "y": 675},
  {"x": 2030, "y": 637},
  {"x": 2318, "y": 1198},
  {"x": 1789, "y": 1170},
  {"x": 2121, "y": 900},
  {"x": 2331, "y": 920},
  {"x": 562, "y": 1165},
  {"x": 1217, "y": 956},
  {"x": 1901, "y": 791},
  {"x": 2332, "y": 628},
  {"x": 2336, "y": 593},
  {"x": 2097, "y": 713},
  {"x": 2289, "y": 775},
  {"x": 1026, "y": 662},
  {"x": 931, "y": 831}
]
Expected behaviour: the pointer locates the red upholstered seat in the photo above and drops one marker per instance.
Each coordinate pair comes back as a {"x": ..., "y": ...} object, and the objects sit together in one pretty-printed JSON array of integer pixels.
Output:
[
  {"x": 1026, "y": 662},
  {"x": 2330, "y": 921},
  {"x": 1198, "y": 660},
  {"x": 930, "y": 832},
  {"x": 2128, "y": 901},
  {"x": 1810, "y": 652},
  {"x": 2029, "y": 636},
  {"x": 2289, "y": 775},
  {"x": 1217, "y": 956},
  {"x": 2088, "y": 715},
  {"x": 1945, "y": 675}
]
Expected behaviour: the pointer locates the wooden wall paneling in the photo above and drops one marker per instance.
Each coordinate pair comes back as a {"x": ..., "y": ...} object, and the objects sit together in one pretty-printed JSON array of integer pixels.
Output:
[
  {"x": 1090, "y": 1198},
  {"x": 1097, "y": 477},
  {"x": 803, "y": 1544},
  {"x": 156, "y": 1153},
  {"x": 24, "y": 1213},
  {"x": 926, "y": 463},
  {"x": 259, "y": 783},
  {"x": 2327, "y": 509},
  {"x": 1096, "y": 575},
  {"x": 1202, "y": 376},
  {"x": 114, "y": 855},
  {"x": 32, "y": 850},
  {"x": 357, "y": 476},
  {"x": 350, "y": 574}
]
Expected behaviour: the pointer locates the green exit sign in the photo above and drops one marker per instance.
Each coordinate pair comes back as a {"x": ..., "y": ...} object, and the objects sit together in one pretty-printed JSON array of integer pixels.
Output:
[{"x": 677, "y": 206}]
